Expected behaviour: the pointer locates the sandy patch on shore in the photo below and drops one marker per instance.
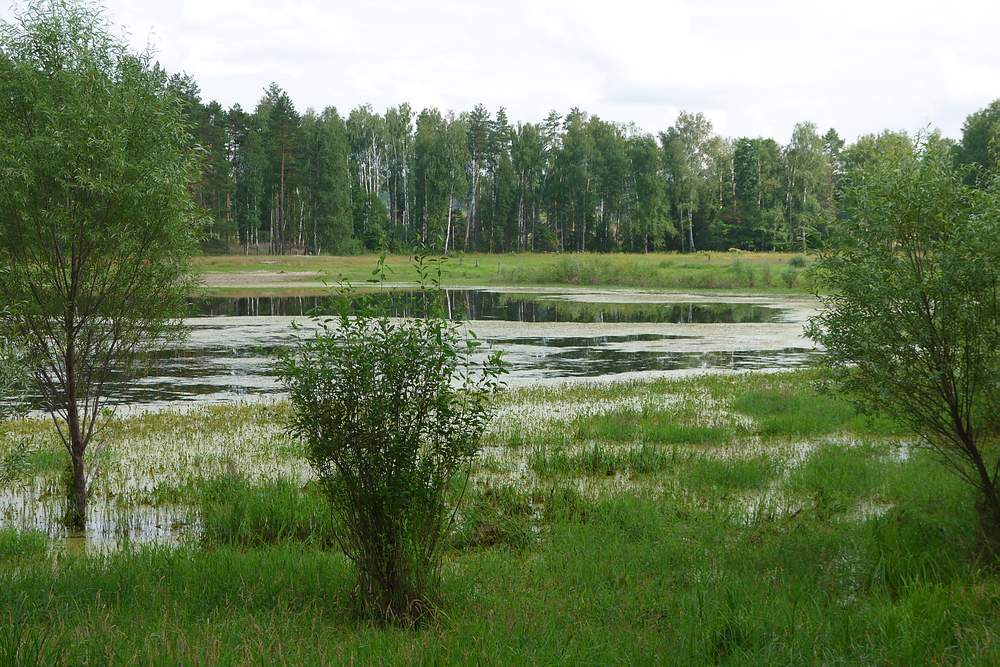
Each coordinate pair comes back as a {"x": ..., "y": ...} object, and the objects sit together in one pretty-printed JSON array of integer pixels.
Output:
[{"x": 262, "y": 279}]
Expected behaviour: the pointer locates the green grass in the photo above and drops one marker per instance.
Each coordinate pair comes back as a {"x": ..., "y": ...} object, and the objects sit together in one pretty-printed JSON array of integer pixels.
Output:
[
  {"x": 236, "y": 512},
  {"x": 791, "y": 409},
  {"x": 732, "y": 474},
  {"x": 836, "y": 471},
  {"x": 597, "y": 535},
  {"x": 768, "y": 272},
  {"x": 647, "y": 425}
]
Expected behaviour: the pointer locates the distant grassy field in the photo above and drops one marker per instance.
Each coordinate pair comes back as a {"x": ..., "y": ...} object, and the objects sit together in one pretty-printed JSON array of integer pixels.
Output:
[
  {"x": 721, "y": 520},
  {"x": 771, "y": 272}
]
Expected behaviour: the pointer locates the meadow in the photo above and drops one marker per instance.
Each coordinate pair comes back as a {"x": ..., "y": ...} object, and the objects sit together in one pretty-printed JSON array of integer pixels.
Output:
[
  {"x": 738, "y": 519},
  {"x": 743, "y": 271}
]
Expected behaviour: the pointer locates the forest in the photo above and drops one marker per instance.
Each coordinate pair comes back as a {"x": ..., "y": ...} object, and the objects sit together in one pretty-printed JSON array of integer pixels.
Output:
[{"x": 279, "y": 181}]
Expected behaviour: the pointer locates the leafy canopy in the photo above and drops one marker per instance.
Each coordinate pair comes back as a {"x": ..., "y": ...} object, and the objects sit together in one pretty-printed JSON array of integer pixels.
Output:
[{"x": 911, "y": 324}]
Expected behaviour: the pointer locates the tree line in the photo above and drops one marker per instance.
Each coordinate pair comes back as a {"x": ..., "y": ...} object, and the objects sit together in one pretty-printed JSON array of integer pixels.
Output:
[{"x": 279, "y": 181}]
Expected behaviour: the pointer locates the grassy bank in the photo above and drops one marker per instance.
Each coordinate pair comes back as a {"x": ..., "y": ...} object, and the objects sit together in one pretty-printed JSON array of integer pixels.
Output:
[
  {"x": 736, "y": 520},
  {"x": 770, "y": 272}
]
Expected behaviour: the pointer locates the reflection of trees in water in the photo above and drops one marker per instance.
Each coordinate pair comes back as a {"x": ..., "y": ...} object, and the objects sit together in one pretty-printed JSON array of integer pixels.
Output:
[{"x": 464, "y": 304}]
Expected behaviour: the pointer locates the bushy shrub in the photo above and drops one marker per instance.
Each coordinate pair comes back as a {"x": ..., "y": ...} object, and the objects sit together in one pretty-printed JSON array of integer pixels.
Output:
[
  {"x": 392, "y": 412},
  {"x": 798, "y": 261}
]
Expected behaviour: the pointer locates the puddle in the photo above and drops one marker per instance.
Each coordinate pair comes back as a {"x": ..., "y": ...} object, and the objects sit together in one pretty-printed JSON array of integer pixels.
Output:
[{"x": 39, "y": 505}]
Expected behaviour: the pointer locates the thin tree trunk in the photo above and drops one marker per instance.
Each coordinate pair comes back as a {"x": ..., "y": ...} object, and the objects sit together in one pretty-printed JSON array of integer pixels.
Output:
[
  {"x": 76, "y": 515},
  {"x": 447, "y": 231},
  {"x": 690, "y": 231},
  {"x": 281, "y": 205}
]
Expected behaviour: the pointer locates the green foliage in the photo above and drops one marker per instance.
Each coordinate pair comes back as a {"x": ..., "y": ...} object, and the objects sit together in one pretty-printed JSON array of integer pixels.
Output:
[
  {"x": 13, "y": 379},
  {"x": 789, "y": 412},
  {"x": 980, "y": 145},
  {"x": 911, "y": 323},
  {"x": 391, "y": 411},
  {"x": 97, "y": 221},
  {"x": 647, "y": 424},
  {"x": 236, "y": 512}
]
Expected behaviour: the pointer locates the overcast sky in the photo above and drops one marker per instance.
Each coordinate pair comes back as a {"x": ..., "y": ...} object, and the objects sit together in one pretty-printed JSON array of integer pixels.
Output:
[{"x": 755, "y": 68}]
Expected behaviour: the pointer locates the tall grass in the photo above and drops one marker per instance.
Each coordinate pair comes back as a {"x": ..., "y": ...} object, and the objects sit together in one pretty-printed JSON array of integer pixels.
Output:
[
  {"x": 706, "y": 270},
  {"x": 236, "y": 512}
]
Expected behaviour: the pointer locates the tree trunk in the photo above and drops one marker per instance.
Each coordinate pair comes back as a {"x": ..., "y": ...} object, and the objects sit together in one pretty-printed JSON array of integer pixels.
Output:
[
  {"x": 281, "y": 205},
  {"x": 76, "y": 511},
  {"x": 447, "y": 231},
  {"x": 690, "y": 231}
]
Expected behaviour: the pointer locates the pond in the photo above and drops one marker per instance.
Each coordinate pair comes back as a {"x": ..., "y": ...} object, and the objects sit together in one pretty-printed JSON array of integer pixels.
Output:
[
  {"x": 548, "y": 336},
  {"x": 472, "y": 304}
]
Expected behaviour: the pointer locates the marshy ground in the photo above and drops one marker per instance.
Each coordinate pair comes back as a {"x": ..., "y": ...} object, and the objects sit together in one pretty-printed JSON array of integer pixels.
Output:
[{"x": 744, "y": 519}]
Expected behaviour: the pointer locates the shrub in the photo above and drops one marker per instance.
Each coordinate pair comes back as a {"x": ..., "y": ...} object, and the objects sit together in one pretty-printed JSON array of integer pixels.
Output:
[
  {"x": 912, "y": 318},
  {"x": 391, "y": 411},
  {"x": 790, "y": 276}
]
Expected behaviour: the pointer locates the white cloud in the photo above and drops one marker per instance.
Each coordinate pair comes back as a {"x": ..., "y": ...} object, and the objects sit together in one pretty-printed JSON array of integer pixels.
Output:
[{"x": 753, "y": 67}]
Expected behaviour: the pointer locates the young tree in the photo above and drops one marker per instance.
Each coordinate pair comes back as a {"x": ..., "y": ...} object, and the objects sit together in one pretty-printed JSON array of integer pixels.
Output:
[
  {"x": 392, "y": 411},
  {"x": 911, "y": 324},
  {"x": 96, "y": 216}
]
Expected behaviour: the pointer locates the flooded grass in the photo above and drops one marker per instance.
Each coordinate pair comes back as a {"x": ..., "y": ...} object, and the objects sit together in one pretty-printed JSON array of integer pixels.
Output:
[{"x": 741, "y": 519}]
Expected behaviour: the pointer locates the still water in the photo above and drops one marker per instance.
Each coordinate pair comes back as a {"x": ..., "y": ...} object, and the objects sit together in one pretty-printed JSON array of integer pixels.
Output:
[{"x": 547, "y": 336}]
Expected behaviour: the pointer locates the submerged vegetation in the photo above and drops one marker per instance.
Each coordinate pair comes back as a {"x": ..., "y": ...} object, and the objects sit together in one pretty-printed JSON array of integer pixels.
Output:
[{"x": 788, "y": 538}]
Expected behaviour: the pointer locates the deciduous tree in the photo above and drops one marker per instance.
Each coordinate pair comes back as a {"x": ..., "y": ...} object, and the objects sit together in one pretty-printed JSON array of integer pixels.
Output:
[{"x": 97, "y": 219}]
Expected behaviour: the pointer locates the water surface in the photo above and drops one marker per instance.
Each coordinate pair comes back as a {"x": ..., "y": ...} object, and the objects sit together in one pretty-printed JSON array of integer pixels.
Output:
[
  {"x": 477, "y": 304},
  {"x": 548, "y": 336}
]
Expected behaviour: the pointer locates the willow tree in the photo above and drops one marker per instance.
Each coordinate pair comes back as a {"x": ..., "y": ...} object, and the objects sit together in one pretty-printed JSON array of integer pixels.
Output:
[
  {"x": 96, "y": 216},
  {"x": 911, "y": 325}
]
